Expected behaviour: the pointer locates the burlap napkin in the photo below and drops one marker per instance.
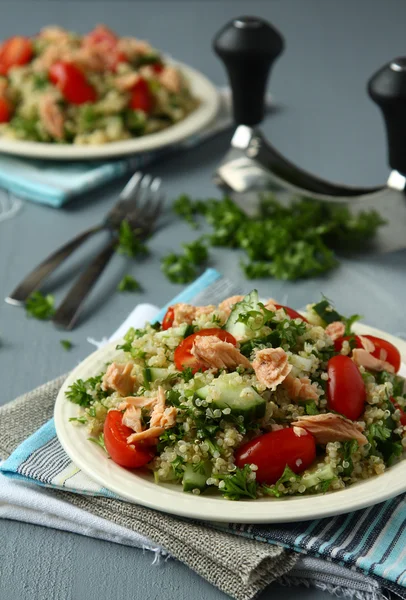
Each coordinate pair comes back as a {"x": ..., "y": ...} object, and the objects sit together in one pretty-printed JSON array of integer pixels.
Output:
[{"x": 237, "y": 566}]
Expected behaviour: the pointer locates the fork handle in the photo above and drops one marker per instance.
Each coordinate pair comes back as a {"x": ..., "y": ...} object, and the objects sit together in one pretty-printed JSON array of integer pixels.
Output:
[
  {"x": 69, "y": 310},
  {"x": 48, "y": 266}
]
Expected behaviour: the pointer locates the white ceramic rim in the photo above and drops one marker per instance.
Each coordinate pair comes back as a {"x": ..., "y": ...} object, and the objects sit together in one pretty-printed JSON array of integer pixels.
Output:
[
  {"x": 204, "y": 114},
  {"x": 169, "y": 498}
]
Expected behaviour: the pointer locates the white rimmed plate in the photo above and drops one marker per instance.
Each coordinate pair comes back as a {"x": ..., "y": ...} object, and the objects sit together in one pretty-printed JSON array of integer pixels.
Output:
[
  {"x": 200, "y": 86},
  {"x": 141, "y": 489}
]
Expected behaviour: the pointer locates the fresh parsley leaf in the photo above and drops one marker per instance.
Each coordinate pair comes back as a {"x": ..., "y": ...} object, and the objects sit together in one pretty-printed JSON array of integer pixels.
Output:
[
  {"x": 349, "y": 448},
  {"x": 177, "y": 466},
  {"x": 183, "y": 206},
  {"x": 99, "y": 441},
  {"x": 129, "y": 242},
  {"x": 325, "y": 485},
  {"x": 311, "y": 408},
  {"x": 186, "y": 374},
  {"x": 287, "y": 476},
  {"x": 66, "y": 344},
  {"x": 128, "y": 284},
  {"x": 39, "y": 306},
  {"x": 40, "y": 81},
  {"x": 397, "y": 382},
  {"x": 196, "y": 252},
  {"x": 129, "y": 337},
  {"x": 82, "y": 420},
  {"x": 178, "y": 269},
  {"x": 349, "y": 322},
  {"x": 238, "y": 484},
  {"x": 78, "y": 393}
]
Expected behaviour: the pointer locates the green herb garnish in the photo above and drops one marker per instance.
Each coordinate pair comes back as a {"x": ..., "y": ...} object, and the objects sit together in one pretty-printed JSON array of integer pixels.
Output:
[
  {"x": 238, "y": 484},
  {"x": 39, "y": 306},
  {"x": 66, "y": 344},
  {"x": 129, "y": 242},
  {"x": 128, "y": 284},
  {"x": 99, "y": 441},
  {"x": 178, "y": 269}
]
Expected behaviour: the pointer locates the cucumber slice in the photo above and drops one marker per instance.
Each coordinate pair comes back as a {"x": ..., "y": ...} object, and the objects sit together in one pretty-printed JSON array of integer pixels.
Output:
[
  {"x": 240, "y": 398},
  {"x": 240, "y": 330},
  {"x": 195, "y": 478},
  {"x": 155, "y": 374},
  {"x": 312, "y": 478}
]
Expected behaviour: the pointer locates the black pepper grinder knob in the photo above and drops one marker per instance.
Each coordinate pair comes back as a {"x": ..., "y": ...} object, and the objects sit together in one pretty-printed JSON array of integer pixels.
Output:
[
  {"x": 248, "y": 47},
  {"x": 388, "y": 89}
]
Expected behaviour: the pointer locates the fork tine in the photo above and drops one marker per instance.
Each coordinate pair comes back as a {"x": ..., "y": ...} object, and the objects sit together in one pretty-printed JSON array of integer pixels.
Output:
[{"x": 130, "y": 191}]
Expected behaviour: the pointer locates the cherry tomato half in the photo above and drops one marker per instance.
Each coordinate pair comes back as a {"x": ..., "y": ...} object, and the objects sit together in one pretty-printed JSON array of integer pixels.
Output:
[
  {"x": 15, "y": 51},
  {"x": 168, "y": 318},
  {"x": 345, "y": 387},
  {"x": 384, "y": 350},
  {"x": 272, "y": 451},
  {"x": 402, "y": 412},
  {"x": 72, "y": 83},
  {"x": 293, "y": 314},
  {"x": 183, "y": 357},
  {"x": 158, "y": 67},
  {"x": 115, "y": 440},
  {"x": 5, "y": 111},
  {"x": 141, "y": 97}
]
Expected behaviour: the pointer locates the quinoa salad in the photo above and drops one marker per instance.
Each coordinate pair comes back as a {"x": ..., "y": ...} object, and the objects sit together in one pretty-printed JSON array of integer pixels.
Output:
[
  {"x": 249, "y": 400},
  {"x": 61, "y": 87}
]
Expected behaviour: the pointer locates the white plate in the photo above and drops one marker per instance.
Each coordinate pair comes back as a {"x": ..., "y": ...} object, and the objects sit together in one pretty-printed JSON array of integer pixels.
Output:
[
  {"x": 200, "y": 86},
  {"x": 141, "y": 489}
]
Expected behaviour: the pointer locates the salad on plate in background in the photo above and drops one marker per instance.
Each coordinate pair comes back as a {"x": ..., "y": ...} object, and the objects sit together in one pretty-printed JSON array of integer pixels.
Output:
[
  {"x": 249, "y": 399},
  {"x": 61, "y": 87}
]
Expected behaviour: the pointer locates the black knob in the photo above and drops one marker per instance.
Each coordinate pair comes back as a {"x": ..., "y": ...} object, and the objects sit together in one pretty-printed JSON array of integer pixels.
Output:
[
  {"x": 388, "y": 89},
  {"x": 248, "y": 47}
]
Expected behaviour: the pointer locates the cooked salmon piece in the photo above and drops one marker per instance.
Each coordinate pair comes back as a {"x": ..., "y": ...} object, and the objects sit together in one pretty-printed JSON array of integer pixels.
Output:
[
  {"x": 363, "y": 358},
  {"x": 126, "y": 82},
  {"x": 217, "y": 354},
  {"x": 271, "y": 366},
  {"x": 137, "y": 402},
  {"x": 132, "y": 48},
  {"x": 132, "y": 419},
  {"x": 369, "y": 346},
  {"x": 53, "y": 33},
  {"x": 119, "y": 379},
  {"x": 335, "y": 330},
  {"x": 171, "y": 79},
  {"x": 300, "y": 387},
  {"x": 330, "y": 427},
  {"x": 162, "y": 417},
  {"x": 228, "y": 303},
  {"x": 51, "y": 116},
  {"x": 270, "y": 305},
  {"x": 186, "y": 313}
]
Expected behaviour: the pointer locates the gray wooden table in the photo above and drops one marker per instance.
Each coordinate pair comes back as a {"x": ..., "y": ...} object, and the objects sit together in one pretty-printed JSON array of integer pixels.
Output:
[{"x": 326, "y": 124}]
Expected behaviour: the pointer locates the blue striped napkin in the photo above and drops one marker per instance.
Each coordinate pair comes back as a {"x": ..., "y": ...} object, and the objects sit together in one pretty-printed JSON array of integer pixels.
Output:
[
  {"x": 370, "y": 541},
  {"x": 56, "y": 182}
]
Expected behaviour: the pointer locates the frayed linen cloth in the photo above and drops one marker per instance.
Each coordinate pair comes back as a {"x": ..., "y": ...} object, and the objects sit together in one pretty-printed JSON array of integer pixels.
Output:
[{"x": 355, "y": 556}]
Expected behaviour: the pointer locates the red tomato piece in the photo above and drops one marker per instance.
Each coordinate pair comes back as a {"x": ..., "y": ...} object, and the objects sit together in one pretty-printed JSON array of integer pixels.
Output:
[
  {"x": 72, "y": 83},
  {"x": 384, "y": 350},
  {"x": 5, "y": 111},
  {"x": 272, "y": 451},
  {"x": 183, "y": 357},
  {"x": 15, "y": 51},
  {"x": 345, "y": 387},
  {"x": 402, "y": 412},
  {"x": 293, "y": 314},
  {"x": 168, "y": 318},
  {"x": 141, "y": 97},
  {"x": 158, "y": 67},
  {"x": 131, "y": 456}
]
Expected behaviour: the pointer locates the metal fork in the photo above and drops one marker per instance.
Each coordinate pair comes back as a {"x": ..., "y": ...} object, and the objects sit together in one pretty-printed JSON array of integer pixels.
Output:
[
  {"x": 146, "y": 206},
  {"x": 125, "y": 203}
]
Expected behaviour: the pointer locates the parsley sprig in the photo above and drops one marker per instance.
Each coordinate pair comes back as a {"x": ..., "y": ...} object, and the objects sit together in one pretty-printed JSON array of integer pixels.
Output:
[
  {"x": 238, "y": 484},
  {"x": 129, "y": 284},
  {"x": 129, "y": 242},
  {"x": 39, "y": 306}
]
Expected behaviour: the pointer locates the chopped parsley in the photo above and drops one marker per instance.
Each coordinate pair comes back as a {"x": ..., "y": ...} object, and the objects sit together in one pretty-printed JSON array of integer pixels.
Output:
[
  {"x": 81, "y": 420},
  {"x": 178, "y": 268},
  {"x": 196, "y": 252},
  {"x": 311, "y": 408},
  {"x": 66, "y": 344},
  {"x": 79, "y": 391},
  {"x": 347, "y": 463},
  {"x": 39, "y": 306},
  {"x": 186, "y": 374},
  {"x": 326, "y": 311},
  {"x": 238, "y": 484},
  {"x": 287, "y": 476},
  {"x": 129, "y": 242},
  {"x": 128, "y": 284},
  {"x": 285, "y": 242},
  {"x": 99, "y": 441}
]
